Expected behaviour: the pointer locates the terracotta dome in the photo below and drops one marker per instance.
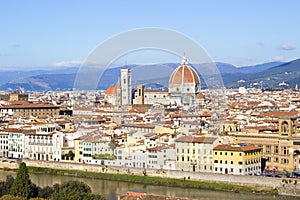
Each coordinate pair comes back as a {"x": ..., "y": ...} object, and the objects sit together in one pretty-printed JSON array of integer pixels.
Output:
[{"x": 184, "y": 74}]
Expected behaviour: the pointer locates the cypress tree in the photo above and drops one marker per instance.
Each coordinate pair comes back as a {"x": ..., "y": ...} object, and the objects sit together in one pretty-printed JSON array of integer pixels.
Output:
[{"x": 21, "y": 186}]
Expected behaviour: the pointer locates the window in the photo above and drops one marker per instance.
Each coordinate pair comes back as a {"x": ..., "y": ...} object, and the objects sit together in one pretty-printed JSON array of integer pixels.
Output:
[
  {"x": 231, "y": 154},
  {"x": 216, "y": 153},
  {"x": 240, "y": 162},
  {"x": 231, "y": 162},
  {"x": 285, "y": 150},
  {"x": 225, "y": 153},
  {"x": 276, "y": 149},
  {"x": 216, "y": 169},
  {"x": 268, "y": 148},
  {"x": 284, "y": 161},
  {"x": 215, "y": 161}
]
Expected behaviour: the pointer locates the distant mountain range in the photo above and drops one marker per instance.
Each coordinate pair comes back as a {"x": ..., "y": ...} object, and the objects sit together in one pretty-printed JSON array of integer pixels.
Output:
[{"x": 156, "y": 76}]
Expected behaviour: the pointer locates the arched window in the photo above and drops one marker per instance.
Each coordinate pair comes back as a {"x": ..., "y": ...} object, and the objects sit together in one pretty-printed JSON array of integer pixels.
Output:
[{"x": 284, "y": 127}]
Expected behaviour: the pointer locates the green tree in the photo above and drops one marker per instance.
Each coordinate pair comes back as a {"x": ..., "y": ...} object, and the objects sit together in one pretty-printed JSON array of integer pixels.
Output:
[
  {"x": 45, "y": 192},
  {"x": 5, "y": 186},
  {"x": 71, "y": 155},
  {"x": 74, "y": 190},
  {"x": 22, "y": 184}
]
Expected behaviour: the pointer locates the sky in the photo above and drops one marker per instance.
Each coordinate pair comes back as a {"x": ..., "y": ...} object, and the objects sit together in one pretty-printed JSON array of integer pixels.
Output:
[{"x": 56, "y": 33}]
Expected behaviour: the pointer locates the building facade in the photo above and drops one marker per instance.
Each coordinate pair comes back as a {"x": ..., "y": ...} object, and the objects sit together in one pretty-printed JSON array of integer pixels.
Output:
[
  {"x": 195, "y": 153},
  {"x": 236, "y": 159}
]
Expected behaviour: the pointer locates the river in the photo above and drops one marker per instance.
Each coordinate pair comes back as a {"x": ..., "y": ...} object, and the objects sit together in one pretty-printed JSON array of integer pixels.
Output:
[{"x": 111, "y": 189}]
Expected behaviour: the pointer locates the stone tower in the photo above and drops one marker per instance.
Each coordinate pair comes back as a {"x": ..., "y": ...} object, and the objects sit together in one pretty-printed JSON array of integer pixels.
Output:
[
  {"x": 287, "y": 125},
  {"x": 126, "y": 88}
]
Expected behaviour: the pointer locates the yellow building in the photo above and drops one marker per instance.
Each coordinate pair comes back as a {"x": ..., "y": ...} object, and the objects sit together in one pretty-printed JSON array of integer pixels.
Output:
[
  {"x": 237, "y": 159},
  {"x": 78, "y": 150},
  {"x": 280, "y": 149},
  {"x": 195, "y": 153}
]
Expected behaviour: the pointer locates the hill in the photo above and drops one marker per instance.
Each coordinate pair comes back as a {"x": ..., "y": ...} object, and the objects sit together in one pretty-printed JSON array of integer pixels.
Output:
[
  {"x": 288, "y": 73},
  {"x": 154, "y": 75}
]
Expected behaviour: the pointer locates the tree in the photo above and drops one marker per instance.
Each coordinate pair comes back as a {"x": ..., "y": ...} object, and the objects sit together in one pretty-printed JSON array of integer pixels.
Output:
[
  {"x": 74, "y": 190},
  {"x": 5, "y": 186},
  {"x": 45, "y": 192},
  {"x": 22, "y": 184},
  {"x": 71, "y": 155}
]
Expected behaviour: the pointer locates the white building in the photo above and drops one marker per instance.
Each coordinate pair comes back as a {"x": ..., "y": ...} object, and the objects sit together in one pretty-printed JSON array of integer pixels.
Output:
[
  {"x": 39, "y": 146},
  {"x": 3, "y": 144},
  {"x": 16, "y": 143}
]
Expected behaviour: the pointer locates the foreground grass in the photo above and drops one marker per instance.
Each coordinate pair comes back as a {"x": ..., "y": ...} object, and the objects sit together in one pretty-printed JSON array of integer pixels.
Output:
[{"x": 171, "y": 182}]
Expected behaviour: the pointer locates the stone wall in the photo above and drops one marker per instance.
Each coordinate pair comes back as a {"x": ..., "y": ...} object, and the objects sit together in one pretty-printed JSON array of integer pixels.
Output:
[
  {"x": 284, "y": 186},
  {"x": 8, "y": 163},
  {"x": 290, "y": 187}
]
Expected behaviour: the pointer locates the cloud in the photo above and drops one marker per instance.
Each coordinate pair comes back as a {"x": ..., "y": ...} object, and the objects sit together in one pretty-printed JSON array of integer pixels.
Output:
[
  {"x": 277, "y": 58},
  {"x": 287, "y": 47},
  {"x": 71, "y": 63}
]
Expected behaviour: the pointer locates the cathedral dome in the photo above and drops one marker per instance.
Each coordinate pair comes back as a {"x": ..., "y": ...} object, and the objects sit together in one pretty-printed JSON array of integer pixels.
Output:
[{"x": 184, "y": 74}]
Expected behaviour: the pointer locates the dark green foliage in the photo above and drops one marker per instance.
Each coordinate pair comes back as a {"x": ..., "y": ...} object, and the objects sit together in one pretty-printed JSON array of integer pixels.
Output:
[
  {"x": 22, "y": 184},
  {"x": 34, "y": 190},
  {"x": 74, "y": 190},
  {"x": 5, "y": 186},
  {"x": 45, "y": 192},
  {"x": 68, "y": 156}
]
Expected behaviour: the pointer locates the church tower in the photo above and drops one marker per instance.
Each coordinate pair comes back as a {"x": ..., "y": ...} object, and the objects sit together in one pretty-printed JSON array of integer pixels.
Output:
[
  {"x": 287, "y": 125},
  {"x": 126, "y": 88}
]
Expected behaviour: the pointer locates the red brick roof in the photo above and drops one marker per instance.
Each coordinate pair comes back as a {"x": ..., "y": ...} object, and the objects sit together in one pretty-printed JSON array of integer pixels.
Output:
[
  {"x": 226, "y": 147},
  {"x": 111, "y": 90},
  {"x": 195, "y": 139},
  {"x": 184, "y": 74}
]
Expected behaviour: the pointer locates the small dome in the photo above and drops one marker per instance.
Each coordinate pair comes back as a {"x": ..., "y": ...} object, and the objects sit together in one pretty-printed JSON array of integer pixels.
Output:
[{"x": 184, "y": 74}]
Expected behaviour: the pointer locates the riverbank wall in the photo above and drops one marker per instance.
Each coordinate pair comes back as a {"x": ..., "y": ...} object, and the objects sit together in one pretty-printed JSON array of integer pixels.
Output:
[
  {"x": 283, "y": 186},
  {"x": 6, "y": 163},
  {"x": 255, "y": 181}
]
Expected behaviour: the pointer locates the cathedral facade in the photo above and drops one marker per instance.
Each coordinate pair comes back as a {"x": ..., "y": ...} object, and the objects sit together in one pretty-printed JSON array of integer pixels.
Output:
[{"x": 184, "y": 89}]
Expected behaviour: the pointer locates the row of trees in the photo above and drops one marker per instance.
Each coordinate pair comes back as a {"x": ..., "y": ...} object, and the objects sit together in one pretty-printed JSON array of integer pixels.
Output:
[{"x": 23, "y": 188}]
